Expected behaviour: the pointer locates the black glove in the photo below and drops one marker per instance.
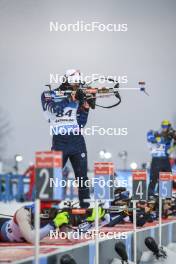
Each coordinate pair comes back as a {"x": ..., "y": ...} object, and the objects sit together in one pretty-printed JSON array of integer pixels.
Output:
[
  {"x": 80, "y": 96},
  {"x": 91, "y": 102},
  {"x": 84, "y": 204},
  {"x": 53, "y": 212}
]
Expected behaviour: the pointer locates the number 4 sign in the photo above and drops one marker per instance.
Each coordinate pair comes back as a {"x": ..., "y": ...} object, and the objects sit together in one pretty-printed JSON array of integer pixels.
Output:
[
  {"x": 139, "y": 184},
  {"x": 165, "y": 185}
]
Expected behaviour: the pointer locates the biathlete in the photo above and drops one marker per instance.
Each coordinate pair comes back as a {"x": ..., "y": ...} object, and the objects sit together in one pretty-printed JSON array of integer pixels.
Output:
[
  {"x": 70, "y": 113},
  {"x": 20, "y": 228},
  {"x": 161, "y": 144}
]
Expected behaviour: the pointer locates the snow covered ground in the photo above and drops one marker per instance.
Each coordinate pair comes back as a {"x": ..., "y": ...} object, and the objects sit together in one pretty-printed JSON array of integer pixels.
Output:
[{"x": 10, "y": 208}]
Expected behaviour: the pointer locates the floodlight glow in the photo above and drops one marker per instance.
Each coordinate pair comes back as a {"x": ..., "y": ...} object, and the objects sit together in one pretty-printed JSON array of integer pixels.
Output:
[
  {"x": 102, "y": 154},
  {"x": 133, "y": 165},
  {"x": 18, "y": 158},
  {"x": 107, "y": 155}
]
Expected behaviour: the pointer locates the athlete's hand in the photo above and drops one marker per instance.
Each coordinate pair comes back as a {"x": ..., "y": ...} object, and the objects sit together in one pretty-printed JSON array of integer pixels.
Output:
[
  {"x": 86, "y": 105},
  {"x": 61, "y": 219},
  {"x": 73, "y": 97},
  {"x": 147, "y": 209},
  {"x": 80, "y": 96},
  {"x": 91, "y": 102}
]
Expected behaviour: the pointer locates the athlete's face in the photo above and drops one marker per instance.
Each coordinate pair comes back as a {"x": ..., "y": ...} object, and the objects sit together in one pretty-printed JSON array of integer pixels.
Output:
[{"x": 165, "y": 129}]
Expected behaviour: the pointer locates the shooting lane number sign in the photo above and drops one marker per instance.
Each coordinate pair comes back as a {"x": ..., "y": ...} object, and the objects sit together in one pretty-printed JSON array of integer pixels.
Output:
[
  {"x": 165, "y": 184},
  {"x": 139, "y": 185},
  {"x": 104, "y": 180},
  {"x": 49, "y": 175}
]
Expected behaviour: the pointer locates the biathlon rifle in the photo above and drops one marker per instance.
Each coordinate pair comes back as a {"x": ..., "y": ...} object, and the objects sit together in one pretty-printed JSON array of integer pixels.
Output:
[{"x": 93, "y": 93}]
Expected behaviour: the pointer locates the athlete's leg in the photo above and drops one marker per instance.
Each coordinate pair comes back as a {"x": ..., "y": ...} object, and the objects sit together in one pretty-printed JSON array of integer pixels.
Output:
[
  {"x": 166, "y": 166},
  {"x": 79, "y": 163},
  {"x": 154, "y": 175},
  {"x": 60, "y": 143},
  {"x": 163, "y": 165}
]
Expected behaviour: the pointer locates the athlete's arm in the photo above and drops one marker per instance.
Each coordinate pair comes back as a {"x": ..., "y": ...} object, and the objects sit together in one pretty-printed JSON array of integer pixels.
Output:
[
  {"x": 23, "y": 219},
  {"x": 49, "y": 104},
  {"x": 151, "y": 138},
  {"x": 82, "y": 115}
]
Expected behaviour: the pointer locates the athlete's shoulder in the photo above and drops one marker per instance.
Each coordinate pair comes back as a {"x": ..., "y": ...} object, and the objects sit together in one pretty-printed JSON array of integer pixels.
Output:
[{"x": 150, "y": 135}]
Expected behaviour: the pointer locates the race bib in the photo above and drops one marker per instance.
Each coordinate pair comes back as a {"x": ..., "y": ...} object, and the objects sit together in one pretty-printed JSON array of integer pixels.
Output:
[
  {"x": 65, "y": 121},
  {"x": 158, "y": 150}
]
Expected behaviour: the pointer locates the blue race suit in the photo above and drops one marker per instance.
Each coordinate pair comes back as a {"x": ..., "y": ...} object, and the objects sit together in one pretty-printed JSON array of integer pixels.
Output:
[
  {"x": 67, "y": 115},
  {"x": 159, "y": 148}
]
